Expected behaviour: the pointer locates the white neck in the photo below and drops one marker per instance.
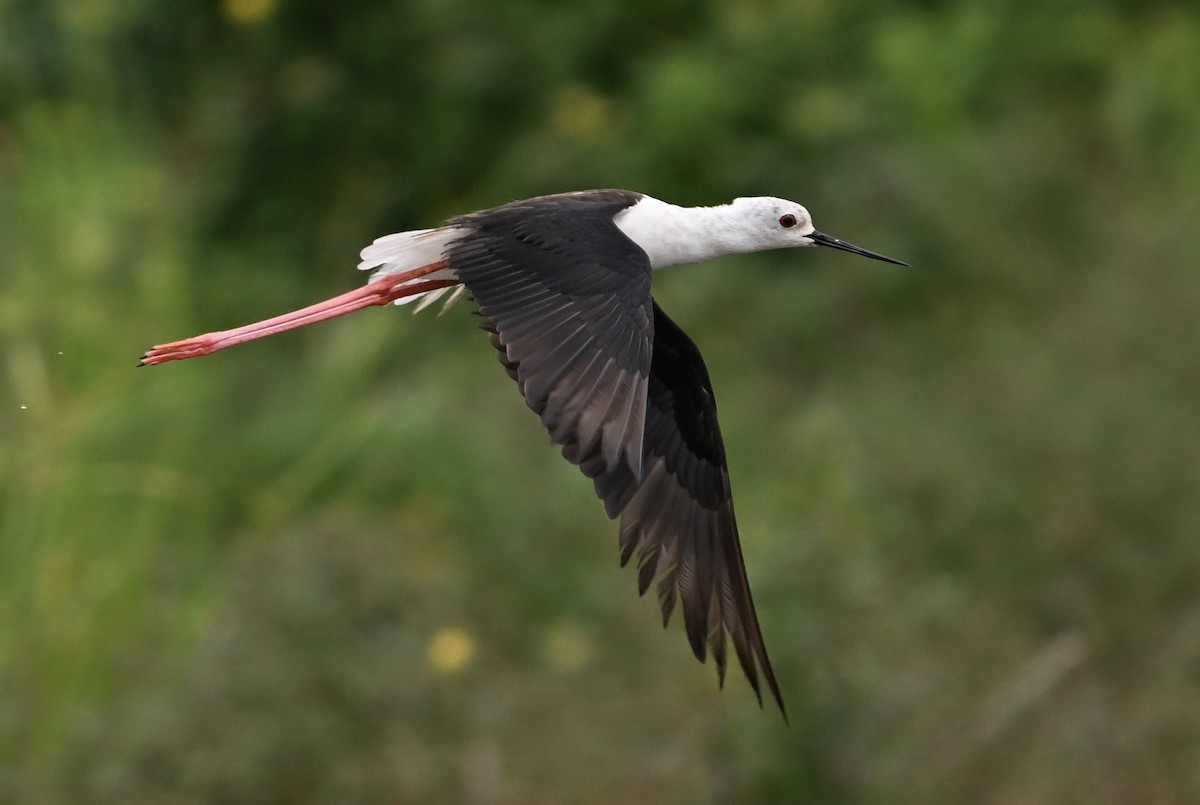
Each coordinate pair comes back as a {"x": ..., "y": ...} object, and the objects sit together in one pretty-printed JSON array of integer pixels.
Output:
[{"x": 673, "y": 236}]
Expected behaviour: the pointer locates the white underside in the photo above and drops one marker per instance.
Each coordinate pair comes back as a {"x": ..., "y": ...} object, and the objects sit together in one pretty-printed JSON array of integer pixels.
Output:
[{"x": 405, "y": 251}]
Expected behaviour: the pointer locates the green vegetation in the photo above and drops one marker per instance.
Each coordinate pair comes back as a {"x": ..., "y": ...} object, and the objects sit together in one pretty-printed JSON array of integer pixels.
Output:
[{"x": 344, "y": 565}]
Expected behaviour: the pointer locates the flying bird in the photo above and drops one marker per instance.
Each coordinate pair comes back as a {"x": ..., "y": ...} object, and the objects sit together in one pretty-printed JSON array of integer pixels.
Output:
[{"x": 563, "y": 285}]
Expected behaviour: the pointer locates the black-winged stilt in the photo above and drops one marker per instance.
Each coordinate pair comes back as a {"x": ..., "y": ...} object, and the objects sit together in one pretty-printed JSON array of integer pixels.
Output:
[{"x": 563, "y": 283}]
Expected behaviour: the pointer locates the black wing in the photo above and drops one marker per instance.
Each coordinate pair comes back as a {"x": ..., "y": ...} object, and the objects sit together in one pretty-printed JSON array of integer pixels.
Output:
[
  {"x": 626, "y": 393},
  {"x": 567, "y": 296},
  {"x": 679, "y": 518}
]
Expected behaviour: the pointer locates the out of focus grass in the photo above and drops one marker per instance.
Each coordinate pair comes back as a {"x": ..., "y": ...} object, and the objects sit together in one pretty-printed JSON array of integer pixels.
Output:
[{"x": 344, "y": 565}]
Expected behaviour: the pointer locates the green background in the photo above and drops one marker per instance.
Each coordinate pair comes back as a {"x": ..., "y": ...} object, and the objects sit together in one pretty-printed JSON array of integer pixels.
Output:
[{"x": 969, "y": 491}]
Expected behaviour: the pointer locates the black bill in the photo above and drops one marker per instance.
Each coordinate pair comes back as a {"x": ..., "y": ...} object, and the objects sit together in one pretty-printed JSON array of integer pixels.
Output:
[{"x": 821, "y": 239}]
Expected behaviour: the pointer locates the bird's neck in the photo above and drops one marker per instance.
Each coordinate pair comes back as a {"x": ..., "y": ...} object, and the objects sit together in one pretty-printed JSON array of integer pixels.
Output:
[{"x": 672, "y": 235}]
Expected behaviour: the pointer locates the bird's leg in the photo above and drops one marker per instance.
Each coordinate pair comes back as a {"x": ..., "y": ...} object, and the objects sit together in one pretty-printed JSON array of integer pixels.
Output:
[{"x": 380, "y": 292}]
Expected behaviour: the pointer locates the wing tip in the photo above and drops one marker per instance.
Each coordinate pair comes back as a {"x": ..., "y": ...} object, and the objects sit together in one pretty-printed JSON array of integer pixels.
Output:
[{"x": 775, "y": 693}]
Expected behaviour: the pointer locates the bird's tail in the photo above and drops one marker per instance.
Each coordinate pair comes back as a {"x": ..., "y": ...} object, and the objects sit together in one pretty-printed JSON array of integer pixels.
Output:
[{"x": 404, "y": 251}]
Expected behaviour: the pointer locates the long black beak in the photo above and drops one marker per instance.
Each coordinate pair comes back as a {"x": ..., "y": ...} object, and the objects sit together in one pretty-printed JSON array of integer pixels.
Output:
[{"x": 821, "y": 239}]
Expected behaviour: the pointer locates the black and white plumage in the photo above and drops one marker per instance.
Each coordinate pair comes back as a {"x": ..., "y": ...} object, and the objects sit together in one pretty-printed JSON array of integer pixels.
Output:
[{"x": 563, "y": 284}]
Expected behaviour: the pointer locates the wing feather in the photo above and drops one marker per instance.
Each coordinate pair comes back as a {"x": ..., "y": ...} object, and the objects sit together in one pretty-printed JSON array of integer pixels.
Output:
[
  {"x": 679, "y": 521},
  {"x": 678, "y": 518},
  {"x": 567, "y": 297}
]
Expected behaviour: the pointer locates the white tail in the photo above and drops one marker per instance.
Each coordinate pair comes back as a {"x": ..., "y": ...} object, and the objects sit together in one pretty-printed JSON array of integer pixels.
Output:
[{"x": 405, "y": 251}]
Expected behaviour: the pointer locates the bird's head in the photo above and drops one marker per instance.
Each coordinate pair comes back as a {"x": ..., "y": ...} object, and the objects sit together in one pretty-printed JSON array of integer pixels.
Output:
[{"x": 777, "y": 223}]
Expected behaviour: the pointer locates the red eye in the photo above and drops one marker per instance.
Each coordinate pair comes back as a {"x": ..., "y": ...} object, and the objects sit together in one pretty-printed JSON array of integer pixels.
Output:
[{"x": 787, "y": 221}]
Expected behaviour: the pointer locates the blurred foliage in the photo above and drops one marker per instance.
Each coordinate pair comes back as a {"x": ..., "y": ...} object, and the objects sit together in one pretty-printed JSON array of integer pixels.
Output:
[{"x": 343, "y": 565}]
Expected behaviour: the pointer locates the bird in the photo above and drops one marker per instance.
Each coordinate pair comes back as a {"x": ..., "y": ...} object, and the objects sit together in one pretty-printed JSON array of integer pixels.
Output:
[{"x": 563, "y": 285}]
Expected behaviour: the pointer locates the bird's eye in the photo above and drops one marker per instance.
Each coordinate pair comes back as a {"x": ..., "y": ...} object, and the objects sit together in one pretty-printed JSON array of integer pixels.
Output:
[{"x": 787, "y": 221}]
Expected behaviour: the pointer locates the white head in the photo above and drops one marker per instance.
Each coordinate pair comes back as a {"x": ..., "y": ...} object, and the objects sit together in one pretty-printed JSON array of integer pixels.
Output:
[
  {"x": 672, "y": 235},
  {"x": 776, "y": 223}
]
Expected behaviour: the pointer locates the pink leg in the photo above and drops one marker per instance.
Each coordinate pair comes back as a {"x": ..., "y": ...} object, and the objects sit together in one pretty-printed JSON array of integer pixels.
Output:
[{"x": 379, "y": 292}]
